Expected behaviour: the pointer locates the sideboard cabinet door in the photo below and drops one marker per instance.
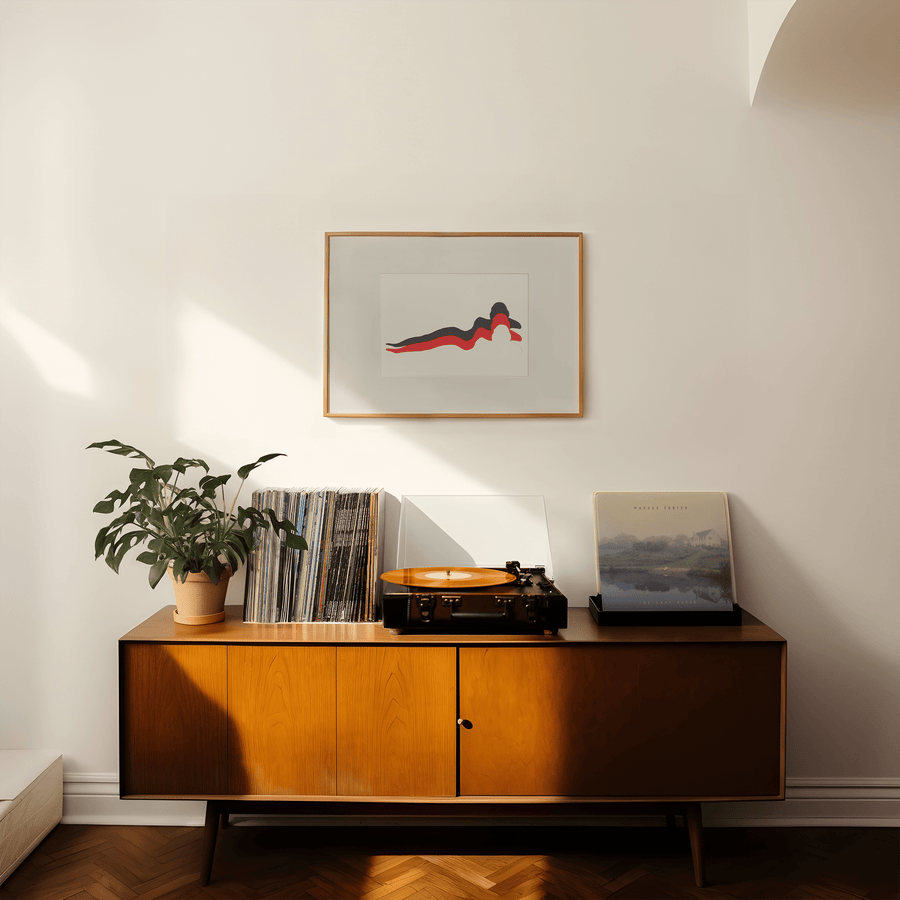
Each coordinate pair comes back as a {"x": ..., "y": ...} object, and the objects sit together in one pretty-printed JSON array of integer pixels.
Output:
[
  {"x": 173, "y": 719},
  {"x": 396, "y": 721},
  {"x": 281, "y": 720},
  {"x": 622, "y": 720}
]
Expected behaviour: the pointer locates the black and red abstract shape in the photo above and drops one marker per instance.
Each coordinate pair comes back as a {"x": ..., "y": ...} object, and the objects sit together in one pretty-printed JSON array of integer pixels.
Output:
[{"x": 482, "y": 329}]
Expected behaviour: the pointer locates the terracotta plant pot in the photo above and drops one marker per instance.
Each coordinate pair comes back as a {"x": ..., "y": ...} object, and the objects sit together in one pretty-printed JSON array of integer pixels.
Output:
[{"x": 197, "y": 600}]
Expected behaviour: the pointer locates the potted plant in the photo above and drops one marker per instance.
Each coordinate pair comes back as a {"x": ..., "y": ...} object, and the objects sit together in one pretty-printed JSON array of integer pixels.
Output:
[{"x": 189, "y": 531}]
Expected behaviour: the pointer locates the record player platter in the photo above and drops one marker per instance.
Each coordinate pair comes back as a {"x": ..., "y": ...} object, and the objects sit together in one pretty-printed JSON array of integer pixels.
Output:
[{"x": 448, "y": 577}]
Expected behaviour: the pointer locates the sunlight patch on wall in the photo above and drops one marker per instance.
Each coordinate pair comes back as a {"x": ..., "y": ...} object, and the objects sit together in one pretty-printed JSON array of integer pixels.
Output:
[
  {"x": 61, "y": 367},
  {"x": 231, "y": 390},
  {"x": 236, "y": 397}
]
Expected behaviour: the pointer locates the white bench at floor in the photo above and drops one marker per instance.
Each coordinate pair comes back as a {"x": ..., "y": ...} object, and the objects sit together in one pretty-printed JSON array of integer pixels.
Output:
[{"x": 31, "y": 784}]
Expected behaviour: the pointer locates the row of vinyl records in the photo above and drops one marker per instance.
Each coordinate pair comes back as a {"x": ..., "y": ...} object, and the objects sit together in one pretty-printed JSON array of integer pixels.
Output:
[{"x": 336, "y": 579}]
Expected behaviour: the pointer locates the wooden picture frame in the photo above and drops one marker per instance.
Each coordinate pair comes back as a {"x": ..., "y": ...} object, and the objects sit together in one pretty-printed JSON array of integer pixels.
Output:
[{"x": 453, "y": 324}]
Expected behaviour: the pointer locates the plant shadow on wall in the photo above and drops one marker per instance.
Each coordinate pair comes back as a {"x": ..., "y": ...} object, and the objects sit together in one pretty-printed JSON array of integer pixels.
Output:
[{"x": 192, "y": 532}]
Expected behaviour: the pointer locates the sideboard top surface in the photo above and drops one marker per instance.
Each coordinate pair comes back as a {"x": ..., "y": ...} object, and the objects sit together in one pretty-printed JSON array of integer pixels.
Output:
[{"x": 581, "y": 630}]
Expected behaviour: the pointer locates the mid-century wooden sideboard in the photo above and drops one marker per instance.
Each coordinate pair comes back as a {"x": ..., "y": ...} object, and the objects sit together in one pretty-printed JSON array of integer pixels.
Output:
[{"x": 332, "y": 716}]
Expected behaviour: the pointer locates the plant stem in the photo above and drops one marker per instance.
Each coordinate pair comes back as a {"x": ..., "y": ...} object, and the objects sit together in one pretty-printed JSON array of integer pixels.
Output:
[
  {"x": 220, "y": 520},
  {"x": 233, "y": 502}
]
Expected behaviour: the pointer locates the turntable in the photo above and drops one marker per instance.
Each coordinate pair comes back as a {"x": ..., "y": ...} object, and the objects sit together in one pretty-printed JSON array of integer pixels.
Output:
[
  {"x": 473, "y": 600},
  {"x": 459, "y": 596}
]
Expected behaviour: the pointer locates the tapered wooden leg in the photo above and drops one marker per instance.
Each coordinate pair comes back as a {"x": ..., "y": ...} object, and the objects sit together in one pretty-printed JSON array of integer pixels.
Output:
[
  {"x": 210, "y": 833},
  {"x": 224, "y": 821},
  {"x": 694, "y": 821}
]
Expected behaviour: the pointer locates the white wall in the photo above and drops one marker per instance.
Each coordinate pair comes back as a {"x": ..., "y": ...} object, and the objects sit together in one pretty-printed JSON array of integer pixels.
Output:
[{"x": 169, "y": 170}]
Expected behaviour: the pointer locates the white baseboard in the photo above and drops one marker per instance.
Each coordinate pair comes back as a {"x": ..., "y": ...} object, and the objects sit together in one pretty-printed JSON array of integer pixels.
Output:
[
  {"x": 93, "y": 799},
  {"x": 845, "y": 802}
]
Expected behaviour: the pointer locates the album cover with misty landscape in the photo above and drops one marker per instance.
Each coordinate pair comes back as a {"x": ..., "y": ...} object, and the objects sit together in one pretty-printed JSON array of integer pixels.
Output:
[{"x": 664, "y": 551}]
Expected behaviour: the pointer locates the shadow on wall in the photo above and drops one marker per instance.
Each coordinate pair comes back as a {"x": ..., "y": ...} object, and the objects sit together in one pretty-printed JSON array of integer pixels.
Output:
[
  {"x": 837, "y": 55},
  {"x": 832, "y": 668}
]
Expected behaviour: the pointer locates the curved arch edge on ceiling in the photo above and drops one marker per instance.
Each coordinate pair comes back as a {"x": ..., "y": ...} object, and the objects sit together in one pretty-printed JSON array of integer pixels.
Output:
[{"x": 764, "y": 21}]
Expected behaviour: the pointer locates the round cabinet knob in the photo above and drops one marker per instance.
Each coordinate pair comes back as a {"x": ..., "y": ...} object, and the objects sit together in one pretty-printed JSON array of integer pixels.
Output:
[{"x": 464, "y": 722}]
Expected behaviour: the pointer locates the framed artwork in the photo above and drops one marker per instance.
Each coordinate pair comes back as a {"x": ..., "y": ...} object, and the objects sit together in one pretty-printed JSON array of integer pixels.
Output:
[
  {"x": 444, "y": 324},
  {"x": 664, "y": 552}
]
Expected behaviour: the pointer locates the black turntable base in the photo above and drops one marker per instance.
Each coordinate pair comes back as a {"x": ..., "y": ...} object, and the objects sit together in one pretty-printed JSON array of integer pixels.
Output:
[{"x": 511, "y": 601}]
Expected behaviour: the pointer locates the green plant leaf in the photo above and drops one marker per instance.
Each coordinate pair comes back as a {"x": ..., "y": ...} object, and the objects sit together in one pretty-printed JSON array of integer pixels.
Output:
[
  {"x": 157, "y": 571},
  {"x": 211, "y": 483},
  {"x": 182, "y": 465},
  {"x": 100, "y": 541},
  {"x": 107, "y": 504},
  {"x": 242, "y": 542},
  {"x": 250, "y": 518},
  {"x": 244, "y": 471},
  {"x": 163, "y": 473},
  {"x": 119, "y": 449},
  {"x": 125, "y": 544},
  {"x": 282, "y": 525},
  {"x": 233, "y": 557},
  {"x": 139, "y": 477},
  {"x": 111, "y": 533},
  {"x": 296, "y": 542},
  {"x": 215, "y": 569},
  {"x": 194, "y": 530},
  {"x": 114, "y": 557}
]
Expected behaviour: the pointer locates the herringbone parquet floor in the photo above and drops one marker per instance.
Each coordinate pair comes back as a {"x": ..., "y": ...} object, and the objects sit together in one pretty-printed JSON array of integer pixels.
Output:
[{"x": 104, "y": 862}]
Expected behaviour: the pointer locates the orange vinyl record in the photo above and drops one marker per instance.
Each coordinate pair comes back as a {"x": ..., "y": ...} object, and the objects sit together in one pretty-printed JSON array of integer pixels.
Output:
[{"x": 448, "y": 577}]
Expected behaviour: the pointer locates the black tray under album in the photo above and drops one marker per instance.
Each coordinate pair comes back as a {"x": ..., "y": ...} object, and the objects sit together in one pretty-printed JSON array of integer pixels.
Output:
[{"x": 662, "y": 617}]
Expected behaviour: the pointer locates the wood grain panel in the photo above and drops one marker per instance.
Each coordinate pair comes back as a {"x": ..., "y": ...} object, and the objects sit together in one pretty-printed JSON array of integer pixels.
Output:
[
  {"x": 662, "y": 720},
  {"x": 173, "y": 729},
  {"x": 539, "y": 717},
  {"x": 396, "y": 721},
  {"x": 281, "y": 729},
  {"x": 716, "y": 712}
]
